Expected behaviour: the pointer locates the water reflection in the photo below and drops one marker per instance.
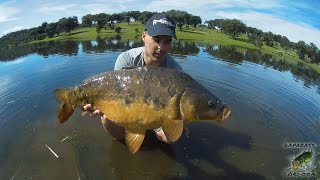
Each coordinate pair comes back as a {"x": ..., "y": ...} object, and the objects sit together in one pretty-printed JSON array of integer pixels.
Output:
[
  {"x": 237, "y": 55},
  {"x": 70, "y": 48},
  {"x": 179, "y": 48},
  {"x": 228, "y": 53},
  {"x": 182, "y": 48}
]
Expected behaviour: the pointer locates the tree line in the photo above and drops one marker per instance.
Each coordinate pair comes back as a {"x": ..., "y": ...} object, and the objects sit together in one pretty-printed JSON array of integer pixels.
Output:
[
  {"x": 235, "y": 27},
  {"x": 232, "y": 27},
  {"x": 100, "y": 21}
]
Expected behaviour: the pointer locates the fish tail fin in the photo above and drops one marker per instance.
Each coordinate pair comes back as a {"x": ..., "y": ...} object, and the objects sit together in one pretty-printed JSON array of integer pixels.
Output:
[{"x": 66, "y": 109}]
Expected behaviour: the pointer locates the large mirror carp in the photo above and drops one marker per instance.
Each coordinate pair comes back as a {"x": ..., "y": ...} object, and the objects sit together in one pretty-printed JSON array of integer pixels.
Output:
[{"x": 143, "y": 98}]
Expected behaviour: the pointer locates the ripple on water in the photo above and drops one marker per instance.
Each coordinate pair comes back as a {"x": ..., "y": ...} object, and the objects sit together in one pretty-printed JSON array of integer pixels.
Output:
[
  {"x": 273, "y": 97},
  {"x": 267, "y": 107}
]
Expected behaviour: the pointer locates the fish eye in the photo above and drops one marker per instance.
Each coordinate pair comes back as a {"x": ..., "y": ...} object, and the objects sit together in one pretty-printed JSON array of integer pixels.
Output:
[
  {"x": 211, "y": 103},
  {"x": 218, "y": 101}
]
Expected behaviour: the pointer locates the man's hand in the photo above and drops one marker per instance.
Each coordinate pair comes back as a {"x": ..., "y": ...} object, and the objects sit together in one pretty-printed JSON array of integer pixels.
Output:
[
  {"x": 116, "y": 131},
  {"x": 161, "y": 136},
  {"x": 88, "y": 108}
]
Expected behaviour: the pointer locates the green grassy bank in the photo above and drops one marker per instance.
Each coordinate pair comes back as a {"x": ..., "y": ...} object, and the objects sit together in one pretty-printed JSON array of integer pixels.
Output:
[{"x": 208, "y": 36}]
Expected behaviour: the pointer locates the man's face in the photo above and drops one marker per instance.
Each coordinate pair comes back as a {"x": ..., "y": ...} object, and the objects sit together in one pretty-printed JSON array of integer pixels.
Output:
[{"x": 156, "y": 47}]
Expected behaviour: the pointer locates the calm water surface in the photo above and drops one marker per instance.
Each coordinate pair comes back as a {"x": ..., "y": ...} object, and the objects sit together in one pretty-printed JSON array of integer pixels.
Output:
[{"x": 269, "y": 109}]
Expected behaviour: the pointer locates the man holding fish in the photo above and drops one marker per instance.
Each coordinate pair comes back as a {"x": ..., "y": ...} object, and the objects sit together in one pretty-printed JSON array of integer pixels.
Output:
[
  {"x": 155, "y": 95},
  {"x": 157, "y": 38}
]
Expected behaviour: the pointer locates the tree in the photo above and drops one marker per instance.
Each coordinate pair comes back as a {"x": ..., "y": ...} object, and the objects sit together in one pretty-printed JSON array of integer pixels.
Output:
[
  {"x": 101, "y": 20},
  {"x": 133, "y": 15},
  {"x": 218, "y": 23},
  {"x": 51, "y": 29},
  {"x": 317, "y": 58},
  {"x": 33, "y": 33},
  {"x": 312, "y": 51},
  {"x": 209, "y": 24},
  {"x": 277, "y": 38},
  {"x": 234, "y": 27},
  {"x": 118, "y": 29},
  {"x": 285, "y": 43},
  {"x": 67, "y": 24},
  {"x": 268, "y": 38},
  {"x": 256, "y": 40},
  {"x": 39, "y": 32},
  {"x": 127, "y": 19},
  {"x": 116, "y": 17},
  {"x": 144, "y": 16},
  {"x": 180, "y": 17},
  {"x": 301, "y": 49},
  {"x": 179, "y": 20},
  {"x": 87, "y": 20},
  {"x": 195, "y": 20},
  {"x": 251, "y": 30}
]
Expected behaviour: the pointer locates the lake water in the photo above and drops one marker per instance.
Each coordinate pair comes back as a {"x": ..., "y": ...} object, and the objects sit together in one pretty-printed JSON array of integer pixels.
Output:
[{"x": 273, "y": 105}]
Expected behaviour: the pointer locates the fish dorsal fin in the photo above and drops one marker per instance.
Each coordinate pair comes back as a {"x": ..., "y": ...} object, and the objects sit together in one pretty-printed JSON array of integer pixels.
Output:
[
  {"x": 134, "y": 140},
  {"x": 65, "y": 111},
  {"x": 172, "y": 129}
]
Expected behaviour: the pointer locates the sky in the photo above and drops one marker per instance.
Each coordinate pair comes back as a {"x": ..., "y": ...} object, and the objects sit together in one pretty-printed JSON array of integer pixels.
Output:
[{"x": 295, "y": 19}]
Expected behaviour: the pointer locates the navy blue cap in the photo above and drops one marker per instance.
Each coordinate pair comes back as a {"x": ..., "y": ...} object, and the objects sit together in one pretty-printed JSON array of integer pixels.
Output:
[{"x": 161, "y": 24}]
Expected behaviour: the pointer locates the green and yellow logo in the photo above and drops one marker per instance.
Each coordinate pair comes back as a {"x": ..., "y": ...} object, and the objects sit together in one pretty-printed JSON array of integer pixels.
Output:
[{"x": 304, "y": 160}]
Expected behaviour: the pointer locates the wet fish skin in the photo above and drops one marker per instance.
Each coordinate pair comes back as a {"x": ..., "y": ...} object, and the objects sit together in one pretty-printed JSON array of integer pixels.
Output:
[{"x": 144, "y": 98}]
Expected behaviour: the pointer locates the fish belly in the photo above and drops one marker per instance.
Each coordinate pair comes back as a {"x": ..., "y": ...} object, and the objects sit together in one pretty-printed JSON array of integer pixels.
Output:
[{"x": 136, "y": 116}]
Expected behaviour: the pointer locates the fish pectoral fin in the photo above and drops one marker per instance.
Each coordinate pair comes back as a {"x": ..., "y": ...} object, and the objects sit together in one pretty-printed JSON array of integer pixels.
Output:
[
  {"x": 134, "y": 140},
  {"x": 172, "y": 129},
  {"x": 65, "y": 111}
]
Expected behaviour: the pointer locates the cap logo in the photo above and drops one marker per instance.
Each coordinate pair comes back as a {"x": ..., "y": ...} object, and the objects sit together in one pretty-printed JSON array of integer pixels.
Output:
[{"x": 163, "y": 21}]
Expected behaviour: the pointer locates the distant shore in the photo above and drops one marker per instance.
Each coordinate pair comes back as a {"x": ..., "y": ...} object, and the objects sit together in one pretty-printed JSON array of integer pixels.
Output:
[{"x": 133, "y": 31}]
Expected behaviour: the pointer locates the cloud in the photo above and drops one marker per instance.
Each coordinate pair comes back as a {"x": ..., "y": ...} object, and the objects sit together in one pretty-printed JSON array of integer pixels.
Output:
[
  {"x": 55, "y": 8},
  {"x": 8, "y": 13},
  {"x": 96, "y": 8},
  {"x": 294, "y": 31},
  {"x": 83, "y": 8},
  {"x": 249, "y": 4},
  {"x": 165, "y": 5},
  {"x": 191, "y": 5}
]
